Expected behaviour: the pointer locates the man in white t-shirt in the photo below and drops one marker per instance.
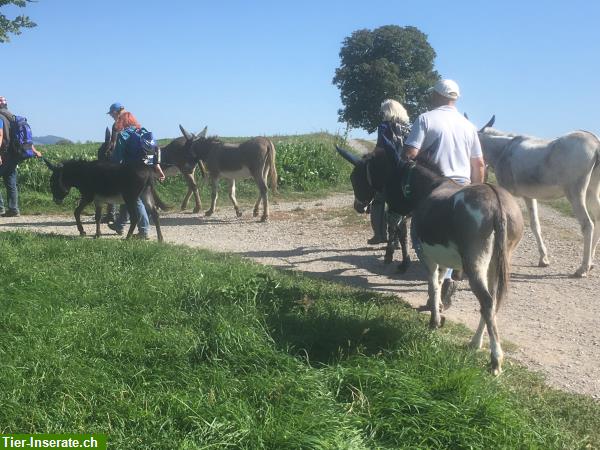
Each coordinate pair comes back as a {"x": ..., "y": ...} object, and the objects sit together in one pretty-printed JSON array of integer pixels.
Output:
[{"x": 447, "y": 139}]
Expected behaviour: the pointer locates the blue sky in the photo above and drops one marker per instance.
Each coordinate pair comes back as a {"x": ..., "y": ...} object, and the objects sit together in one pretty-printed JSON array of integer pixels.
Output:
[{"x": 265, "y": 67}]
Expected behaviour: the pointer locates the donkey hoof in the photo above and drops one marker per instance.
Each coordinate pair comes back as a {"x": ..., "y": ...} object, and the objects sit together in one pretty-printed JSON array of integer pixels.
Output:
[
  {"x": 579, "y": 274},
  {"x": 255, "y": 213},
  {"x": 238, "y": 213},
  {"x": 387, "y": 259},
  {"x": 82, "y": 233},
  {"x": 196, "y": 210},
  {"x": 264, "y": 218},
  {"x": 96, "y": 236},
  {"x": 543, "y": 263},
  {"x": 434, "y": 324},
  {"x": 208, "y": 213},
  {"x": 403, "y": 267}
]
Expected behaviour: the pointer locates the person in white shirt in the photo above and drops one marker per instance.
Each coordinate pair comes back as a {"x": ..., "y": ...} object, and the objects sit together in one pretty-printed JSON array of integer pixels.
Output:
[{"x": 447, "y": 139}]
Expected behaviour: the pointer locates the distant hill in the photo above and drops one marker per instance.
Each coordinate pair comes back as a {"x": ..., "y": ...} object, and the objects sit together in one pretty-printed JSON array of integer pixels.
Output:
[{"x": 50, "y": 140}]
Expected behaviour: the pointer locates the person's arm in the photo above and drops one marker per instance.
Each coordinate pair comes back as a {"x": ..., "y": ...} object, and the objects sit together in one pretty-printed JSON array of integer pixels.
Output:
[
  {"x": 1, "y": 138},
  {"x": 159, "y": 171},
  {"x": 477, "y": 161},
  {"x": 415, "y": 139},
  {"x": 477, "y": 170}
]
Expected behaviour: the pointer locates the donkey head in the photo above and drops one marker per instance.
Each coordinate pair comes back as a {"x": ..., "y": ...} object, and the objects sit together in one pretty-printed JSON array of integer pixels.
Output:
[
  {"x": 360, "y": 178},
  {"x": 193, "y": 142},
  {"x": 57, "y": 187}
]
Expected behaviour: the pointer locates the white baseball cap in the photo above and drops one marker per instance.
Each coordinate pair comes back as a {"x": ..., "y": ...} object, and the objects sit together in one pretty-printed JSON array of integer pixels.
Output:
[{"x": 447, "y": 88}]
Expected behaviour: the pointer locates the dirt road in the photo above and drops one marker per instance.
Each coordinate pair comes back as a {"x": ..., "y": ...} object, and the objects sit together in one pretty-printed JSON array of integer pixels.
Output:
[{"x": 551, "y": 318}]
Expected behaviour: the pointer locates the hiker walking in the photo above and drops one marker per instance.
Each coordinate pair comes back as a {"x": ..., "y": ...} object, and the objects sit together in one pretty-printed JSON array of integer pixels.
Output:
[
  {"x": 132, "y": 144},
  {"x": 16, "y": 145}
]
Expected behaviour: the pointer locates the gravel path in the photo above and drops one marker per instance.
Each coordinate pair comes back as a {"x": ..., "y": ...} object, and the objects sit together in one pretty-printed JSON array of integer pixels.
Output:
[{"x": 549, "y": 317}]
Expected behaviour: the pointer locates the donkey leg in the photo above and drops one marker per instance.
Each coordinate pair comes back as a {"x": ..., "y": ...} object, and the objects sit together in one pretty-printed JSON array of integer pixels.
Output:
[
  {"x": 155, "y": 219},
  {"x": 257, "y": 206},
  {"x": 186, "y": 199},
  {"x": 192, "y": 189},
  {"x": 479, "y": 285},
  {"x": 403, "y": 267},
  {"x": 134, "y": 217},
  {"x": 98, "y": 218},
  {"x": 238, "y": 212},
  {"x": 537, "y": 231},
  {"x": 264, "y": 195},
  {"x": 82, "y": 204},
  {"x": 593, "y": 205},
  {"x": 214, "y": 184},
  {"x": 435, "y": 297},
  {"x": 577, "y": 196}
]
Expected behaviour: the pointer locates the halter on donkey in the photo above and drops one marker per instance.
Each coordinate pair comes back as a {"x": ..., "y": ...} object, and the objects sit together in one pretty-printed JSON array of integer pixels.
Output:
[{"x": 475, "y": 228}]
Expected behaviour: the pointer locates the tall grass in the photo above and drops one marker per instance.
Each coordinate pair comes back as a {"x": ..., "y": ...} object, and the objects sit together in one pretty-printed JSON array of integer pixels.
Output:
[
  {"x": 166, "y": 347},
  {"x": 307, "y": 166}
]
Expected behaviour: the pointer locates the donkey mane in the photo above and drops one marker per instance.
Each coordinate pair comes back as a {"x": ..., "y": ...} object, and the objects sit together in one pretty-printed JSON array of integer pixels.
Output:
[
  {"x": 429, "y": 165},
  {"x": 495, "y": 132}
]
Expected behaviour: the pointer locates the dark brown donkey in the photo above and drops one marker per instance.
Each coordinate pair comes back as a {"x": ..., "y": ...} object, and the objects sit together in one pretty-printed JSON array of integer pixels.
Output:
[
  {"x": 176, "y": 158},
  {"x": 474, "y": 228},
  {"x": 254, "y": 158}
]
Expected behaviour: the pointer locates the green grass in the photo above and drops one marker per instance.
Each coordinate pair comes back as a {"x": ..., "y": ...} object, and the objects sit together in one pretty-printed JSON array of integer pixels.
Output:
[
  {"x": 307, "y": 165},
  {"x": 165, "y": 347}
]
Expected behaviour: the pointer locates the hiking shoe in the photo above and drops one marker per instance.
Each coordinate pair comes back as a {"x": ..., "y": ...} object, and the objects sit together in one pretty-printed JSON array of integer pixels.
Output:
[
  {"x": 115, "y": 228},
  {"x": 141, "y": 236},
  {"x": 448, "y": 290},
  {"x": 11, "y": 213},
  {"x": 376, "y": 240}
]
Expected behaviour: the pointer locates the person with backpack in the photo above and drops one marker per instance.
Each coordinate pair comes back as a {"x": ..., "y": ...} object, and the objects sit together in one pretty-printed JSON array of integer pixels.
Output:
[
  {"x": 16, "y": 145},
  {"x": 123, "y": 119},
  {"x": 132, "y": 144},
  {"x": 394, "y": 127}
]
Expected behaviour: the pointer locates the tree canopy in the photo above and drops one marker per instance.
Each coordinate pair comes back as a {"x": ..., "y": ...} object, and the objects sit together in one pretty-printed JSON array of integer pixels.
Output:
[
  {"x": 13, "y": 26},
  {"x": 387, "y": 62}
]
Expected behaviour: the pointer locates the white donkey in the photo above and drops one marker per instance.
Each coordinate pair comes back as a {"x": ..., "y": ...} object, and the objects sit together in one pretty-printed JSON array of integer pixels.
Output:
[{"x": 535, "y": 168}]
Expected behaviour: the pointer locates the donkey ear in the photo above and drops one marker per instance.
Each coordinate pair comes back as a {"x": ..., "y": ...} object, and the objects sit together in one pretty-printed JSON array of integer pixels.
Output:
[
  {"x": 350, "y": 157},
  {"x": 202, "y": 134},
  {"x": 51, "y": 166},
  {"x": 107, "y": 135},
  {"x": 489, "y": 124},
  {"x": 187, "y": 135}
]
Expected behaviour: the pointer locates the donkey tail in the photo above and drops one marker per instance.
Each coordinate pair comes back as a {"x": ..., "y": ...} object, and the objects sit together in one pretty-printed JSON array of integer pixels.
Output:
[
  {"x": 157, "y": 200},
  {"x": 272, "y": 169},
  {"x": 500, "y": 249}
]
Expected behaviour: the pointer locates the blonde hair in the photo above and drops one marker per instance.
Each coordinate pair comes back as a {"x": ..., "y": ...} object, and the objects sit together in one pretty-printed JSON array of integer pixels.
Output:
[{"x": 394, "y": 111}]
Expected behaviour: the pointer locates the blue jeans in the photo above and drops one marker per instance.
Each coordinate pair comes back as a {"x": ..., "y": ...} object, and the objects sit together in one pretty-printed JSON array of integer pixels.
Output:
[
  {"x": 8, "y": 171},
  {"x": 143, "y": 223}
]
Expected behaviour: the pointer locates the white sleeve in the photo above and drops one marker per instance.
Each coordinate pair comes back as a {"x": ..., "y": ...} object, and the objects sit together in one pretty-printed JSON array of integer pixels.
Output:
[
  {"x": 476, "y": 147},
  {"x": 416, "y": 136}
]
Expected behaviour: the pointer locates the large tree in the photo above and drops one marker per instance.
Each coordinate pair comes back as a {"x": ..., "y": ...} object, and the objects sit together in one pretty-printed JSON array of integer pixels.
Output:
[
  {"x": 387, "y": 62},
  {"x": 13, "y": 26}
]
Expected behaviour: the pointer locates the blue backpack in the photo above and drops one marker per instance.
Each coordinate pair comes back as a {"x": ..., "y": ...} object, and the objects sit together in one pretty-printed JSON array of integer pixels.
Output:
[
  {"x": 21, "y": 138},
  {"x": 136, "y": 145}
]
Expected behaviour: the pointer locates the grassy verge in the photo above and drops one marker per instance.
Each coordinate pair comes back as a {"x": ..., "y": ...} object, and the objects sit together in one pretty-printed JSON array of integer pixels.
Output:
[
  {"x": 307, "y": 165},
  {"x": 166, "y": 347}
]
